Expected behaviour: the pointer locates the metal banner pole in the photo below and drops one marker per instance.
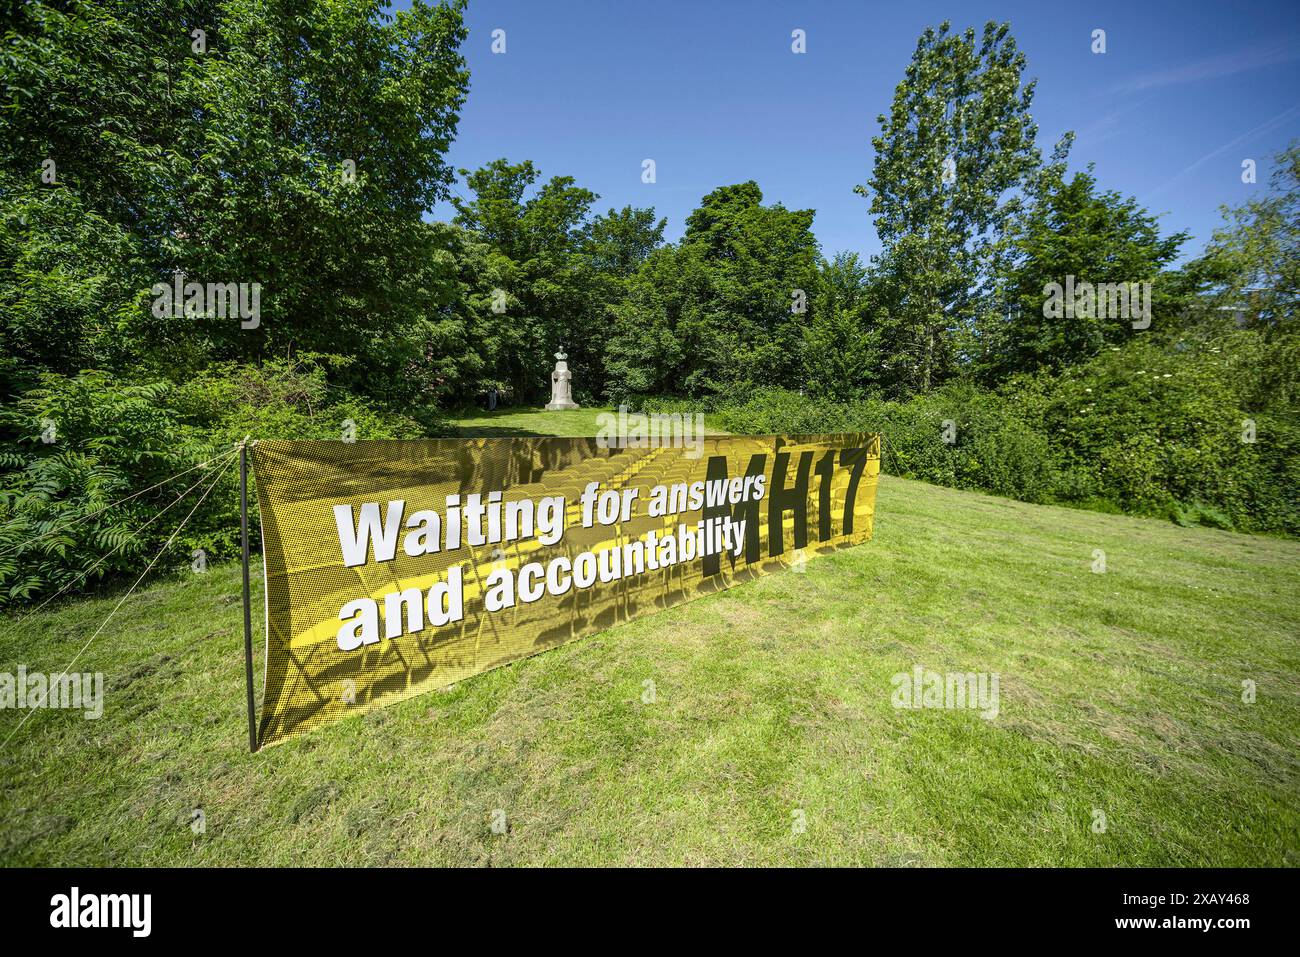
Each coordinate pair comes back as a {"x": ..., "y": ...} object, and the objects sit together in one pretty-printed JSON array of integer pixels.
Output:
[{"x": 248, "y": 598}]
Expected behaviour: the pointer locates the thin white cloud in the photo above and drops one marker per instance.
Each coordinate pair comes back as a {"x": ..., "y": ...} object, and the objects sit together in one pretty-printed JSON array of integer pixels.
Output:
[
  {"x": 1107, "y": 125},
  {"x": 1269, "y": 124},
  {"x": 1215, "y": 67}
]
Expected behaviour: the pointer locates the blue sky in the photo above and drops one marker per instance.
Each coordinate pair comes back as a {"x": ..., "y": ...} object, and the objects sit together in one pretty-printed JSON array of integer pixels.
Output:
[{"x": 712, "y": 92}]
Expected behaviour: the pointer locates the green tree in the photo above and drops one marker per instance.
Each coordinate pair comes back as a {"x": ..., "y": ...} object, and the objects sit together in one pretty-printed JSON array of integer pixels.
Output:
[
  {"x": 1251, "y": 266},
  {"x": 546, "y": 299},
  {"x": 620, "y": 240},
  {"x": 662, "y": 341},
  {"x": 723, "y": 309},
  {"x": 957, "y": 140},
  {"x": 841, "y": 356},
  {"x": 290, "y": 143},
  {"x": 1070, "y": 228}
]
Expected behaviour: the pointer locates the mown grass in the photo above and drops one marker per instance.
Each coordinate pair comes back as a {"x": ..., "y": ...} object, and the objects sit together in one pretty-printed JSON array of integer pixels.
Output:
[
  {"x": 511, "y": 420},
  {"x": 1120, "y": 692}
]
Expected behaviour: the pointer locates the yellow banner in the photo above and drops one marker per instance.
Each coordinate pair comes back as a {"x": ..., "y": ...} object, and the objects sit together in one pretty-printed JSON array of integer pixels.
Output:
[{"x": 393, "y": 568}]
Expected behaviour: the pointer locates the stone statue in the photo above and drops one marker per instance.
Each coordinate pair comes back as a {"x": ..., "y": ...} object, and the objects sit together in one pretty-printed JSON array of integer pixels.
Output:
[{"x": 561, "y": 386}]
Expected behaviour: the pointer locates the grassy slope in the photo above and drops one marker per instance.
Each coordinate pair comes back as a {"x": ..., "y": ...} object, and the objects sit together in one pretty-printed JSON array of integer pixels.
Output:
[
  {"x": 1119, "y": 692},
  {"x": 512, "y": 421}
]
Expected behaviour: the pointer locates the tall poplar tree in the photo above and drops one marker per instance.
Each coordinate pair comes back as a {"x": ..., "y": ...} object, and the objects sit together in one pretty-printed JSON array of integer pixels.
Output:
[{"x": 957, "y": 141}]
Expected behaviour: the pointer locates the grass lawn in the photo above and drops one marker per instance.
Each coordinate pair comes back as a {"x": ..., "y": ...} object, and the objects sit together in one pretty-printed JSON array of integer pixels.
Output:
[
  {"x": 1120, "y": 693},
  {"x": 514, "y": 421}
]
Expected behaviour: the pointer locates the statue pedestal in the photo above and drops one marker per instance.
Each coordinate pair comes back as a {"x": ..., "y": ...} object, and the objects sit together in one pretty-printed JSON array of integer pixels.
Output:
[{"x": 561, "y": 387}]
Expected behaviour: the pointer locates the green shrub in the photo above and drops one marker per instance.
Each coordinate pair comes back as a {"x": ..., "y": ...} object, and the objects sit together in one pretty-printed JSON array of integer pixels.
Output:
[
  {"x": 80, "y": 445},
  {"x": 1149, "y": 428},
  {"x": 1198, "y": 513},
  {"x": 990, "y": 449},
  {"x": 664, "y": 405},
  {"x": 283, "y": 400},
  {"x": 1157, "y": 431},
  {"x": 62, "y": 521}
]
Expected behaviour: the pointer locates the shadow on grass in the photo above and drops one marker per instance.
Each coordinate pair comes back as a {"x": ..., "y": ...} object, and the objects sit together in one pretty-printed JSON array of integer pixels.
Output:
[{"x": 493, "y": 432}]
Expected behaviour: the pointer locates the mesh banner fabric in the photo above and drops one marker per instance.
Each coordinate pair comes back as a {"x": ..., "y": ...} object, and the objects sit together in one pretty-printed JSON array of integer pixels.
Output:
[{"x": 397, "y": 567}]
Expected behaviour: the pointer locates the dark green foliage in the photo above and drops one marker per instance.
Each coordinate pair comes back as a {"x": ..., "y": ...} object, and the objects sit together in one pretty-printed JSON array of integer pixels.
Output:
[
  {"x": 720, "y": 311},
  {"x": 1153, "y": 430},
  {"x": 228, "y": 164},
  {"x": 1071, "y": 229},
  {"x": 134, "y": 148},
  {"x": 543, "y": 275},
  {"x": 82, "y": 444},
  {"x": 841, "y": 343},
  {"x": 993, "y": 450},
  {"x": 111, "y": 440},
  {"x": 540, "y": 305},
  {"x": 301, "y": 149},
  {"x": 1138, "y": 429},
  {"x": 958, "y": 138}
]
